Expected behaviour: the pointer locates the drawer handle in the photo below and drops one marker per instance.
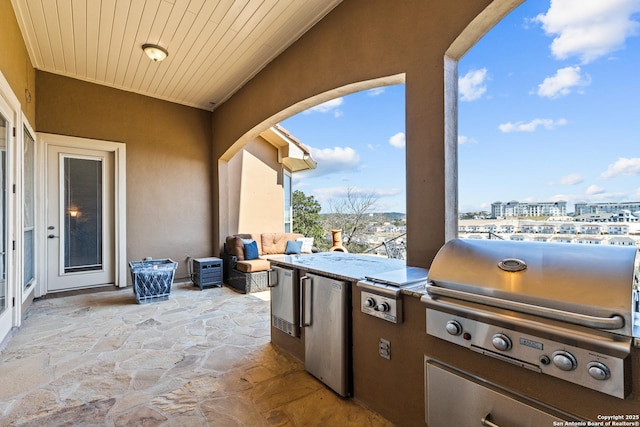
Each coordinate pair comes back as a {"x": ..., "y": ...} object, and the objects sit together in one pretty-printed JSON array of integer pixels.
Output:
[{"x": 486, "y": 421}]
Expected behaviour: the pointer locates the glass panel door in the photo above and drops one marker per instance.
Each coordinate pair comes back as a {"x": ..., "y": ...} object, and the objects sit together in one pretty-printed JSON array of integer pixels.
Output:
[
  {"x": 82, "y": 214},
  {"x": 29, "y": 209},
  {"x": 80, "y": 218},
  {"x": 4, "y": 137}
]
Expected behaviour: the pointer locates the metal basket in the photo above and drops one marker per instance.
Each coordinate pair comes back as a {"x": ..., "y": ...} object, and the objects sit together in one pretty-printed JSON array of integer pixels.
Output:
[{"x": 152, "y": 279}]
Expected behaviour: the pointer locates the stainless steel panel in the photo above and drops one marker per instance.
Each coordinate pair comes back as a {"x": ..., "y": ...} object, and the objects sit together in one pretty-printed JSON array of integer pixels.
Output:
[
  {"x": 586, "y": 279},
  {"x": 401, "y": 277},
  {"x": 325, "y": 318},
  {"x": 284, "y": 300},
  {"x": 533, "y": 346},
  {"x": 453, "y": 398},
  {"x": 378, "y": 304}
]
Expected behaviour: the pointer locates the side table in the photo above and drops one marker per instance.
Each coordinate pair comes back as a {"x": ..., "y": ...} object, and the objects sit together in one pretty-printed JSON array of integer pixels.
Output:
[{"x": 207, "y": 272}]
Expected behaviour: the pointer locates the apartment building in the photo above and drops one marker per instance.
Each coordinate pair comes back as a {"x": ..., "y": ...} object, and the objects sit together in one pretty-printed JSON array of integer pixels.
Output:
[
  {"x": 600, "y": 208},
  {"x": 518, "y": 209}
]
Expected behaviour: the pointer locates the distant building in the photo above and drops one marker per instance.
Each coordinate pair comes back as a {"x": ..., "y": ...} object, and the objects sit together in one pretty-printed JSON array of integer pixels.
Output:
[
  {"x": 591, "y": 228},
  {"x": 622, "y": 241},
  {"x": 569, "y": 232},
  {"x": 608, "y": 212},
  {"x": 617, "y": 229},
  {"x": 567, "y": 228},
  {"x": 520, "y": 209}
]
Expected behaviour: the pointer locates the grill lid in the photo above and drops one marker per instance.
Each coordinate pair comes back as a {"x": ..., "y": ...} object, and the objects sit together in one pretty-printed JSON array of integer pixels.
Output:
[{"x": 585, "y": 279}]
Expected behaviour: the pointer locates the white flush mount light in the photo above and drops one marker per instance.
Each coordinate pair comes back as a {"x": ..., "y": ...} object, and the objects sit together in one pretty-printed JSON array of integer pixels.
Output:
[{"x": 155, "y": 52}]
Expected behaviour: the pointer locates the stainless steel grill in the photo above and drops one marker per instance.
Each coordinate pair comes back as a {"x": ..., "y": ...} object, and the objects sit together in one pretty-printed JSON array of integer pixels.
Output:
[{"x": 564, "y": 310}]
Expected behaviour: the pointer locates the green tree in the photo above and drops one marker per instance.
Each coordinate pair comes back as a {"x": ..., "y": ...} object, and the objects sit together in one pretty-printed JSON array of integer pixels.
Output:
[{"x": 307, "y": 220}]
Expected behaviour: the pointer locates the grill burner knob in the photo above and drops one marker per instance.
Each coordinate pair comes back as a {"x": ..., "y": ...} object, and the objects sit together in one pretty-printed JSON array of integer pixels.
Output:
[
  {"x": 454, "y": 327},
  {"x": 384, "y": 307},
  {"x": 564, "y": 360},
  {"x": 370, "y": 302},
  {"x": 501, "y": 342},
  {"x": 599, "y": 371}
]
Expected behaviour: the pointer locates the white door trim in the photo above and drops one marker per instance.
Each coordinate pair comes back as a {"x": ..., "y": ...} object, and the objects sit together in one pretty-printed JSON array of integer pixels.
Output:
[
  {"x": 120, "y": 221},
  {"x": 12, "y": 110}
]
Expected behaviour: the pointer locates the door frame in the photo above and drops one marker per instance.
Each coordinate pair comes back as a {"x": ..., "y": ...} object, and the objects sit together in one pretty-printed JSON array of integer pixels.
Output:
[
  {"x": 11, "y": 105},
  {"x": 120, "y": 201}
]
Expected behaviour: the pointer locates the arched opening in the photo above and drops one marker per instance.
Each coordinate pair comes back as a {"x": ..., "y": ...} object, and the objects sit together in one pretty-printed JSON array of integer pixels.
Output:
[
  {"x": 236, "y": 212},
  {"x": 544, "y": 126}
]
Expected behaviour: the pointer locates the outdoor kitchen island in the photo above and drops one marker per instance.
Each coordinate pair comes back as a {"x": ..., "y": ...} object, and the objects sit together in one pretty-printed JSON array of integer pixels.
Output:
[
  {"x": 387, "y": 358},
  {"x": 393, "y": 386}
]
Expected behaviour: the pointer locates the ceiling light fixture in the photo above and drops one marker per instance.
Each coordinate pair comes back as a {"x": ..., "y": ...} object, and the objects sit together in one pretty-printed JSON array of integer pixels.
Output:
[{"x": 155, "y": 52}]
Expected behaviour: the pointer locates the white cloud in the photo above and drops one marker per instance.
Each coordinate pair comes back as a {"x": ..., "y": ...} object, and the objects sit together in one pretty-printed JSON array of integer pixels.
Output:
[
  {"x": 375, "y": 91},
  {"x": 592, "y": 190},
  {"x": 327, "y": 107},
  {"x": 398, "y": 140},
  {"x": 622, "y": 166},
  {"x": 589, "y": 29},
  {"x": 562, "y": 83},
  {"x": 531, "y": 126},
  {"x": 472, "y": 85},
  {"x": 607, "y": 197},
  {"x": 571, "y": 179},
  {"x": 462, "y": 139},
  {"x": 332, "y": 160}
]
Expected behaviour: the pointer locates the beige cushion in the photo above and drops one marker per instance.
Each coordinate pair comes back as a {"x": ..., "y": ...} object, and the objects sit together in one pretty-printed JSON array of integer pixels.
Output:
[
  {"x": 251, "y": 266},
  {"x": 276, "y": 243}
]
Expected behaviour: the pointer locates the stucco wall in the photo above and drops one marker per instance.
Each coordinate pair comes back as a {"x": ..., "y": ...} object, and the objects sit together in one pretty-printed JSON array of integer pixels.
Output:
[
  {"x": 15, "y": 64},
  {"x": 254, "y": 193},
  {"x": 359, "y": 41},
  {"x": 168, "y": 161},
  {"x": 262, "y": 205}
]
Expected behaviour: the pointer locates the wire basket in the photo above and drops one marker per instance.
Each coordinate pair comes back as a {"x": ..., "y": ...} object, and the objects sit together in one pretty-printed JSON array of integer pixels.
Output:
[{"x": 152, "y": 279}]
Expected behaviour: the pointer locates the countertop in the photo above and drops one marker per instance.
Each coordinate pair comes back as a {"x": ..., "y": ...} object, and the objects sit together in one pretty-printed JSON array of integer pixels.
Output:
[{"x": 347, "y": 266}]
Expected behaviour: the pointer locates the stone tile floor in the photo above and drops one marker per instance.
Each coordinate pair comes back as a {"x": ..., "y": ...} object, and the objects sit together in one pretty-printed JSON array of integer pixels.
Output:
[{"x": 201, "y": 358}]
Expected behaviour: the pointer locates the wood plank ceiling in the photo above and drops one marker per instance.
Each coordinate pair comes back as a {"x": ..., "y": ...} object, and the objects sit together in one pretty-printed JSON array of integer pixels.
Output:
[{"x": 215, "y": 46}]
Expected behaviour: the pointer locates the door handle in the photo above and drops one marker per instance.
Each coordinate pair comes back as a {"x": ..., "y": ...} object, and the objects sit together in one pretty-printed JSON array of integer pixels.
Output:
[
  {"x": 51, "y": 236},
  {"x": 306, "y": 307},
  {"x": 272, "y": 278}
]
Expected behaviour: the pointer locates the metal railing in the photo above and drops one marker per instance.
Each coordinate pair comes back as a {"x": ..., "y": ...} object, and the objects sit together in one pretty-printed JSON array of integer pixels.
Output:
[{"x": 394, "y": 249}]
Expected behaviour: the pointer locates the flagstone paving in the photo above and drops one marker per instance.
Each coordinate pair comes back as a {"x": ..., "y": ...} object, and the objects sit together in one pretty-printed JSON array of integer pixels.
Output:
[{"x": 200, "y": 358}]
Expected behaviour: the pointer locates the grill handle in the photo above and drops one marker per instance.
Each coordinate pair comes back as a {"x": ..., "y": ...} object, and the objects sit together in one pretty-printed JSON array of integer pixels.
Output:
[
  {"x": 486, "y": 421},
  {"x": 614, "y": 322}
]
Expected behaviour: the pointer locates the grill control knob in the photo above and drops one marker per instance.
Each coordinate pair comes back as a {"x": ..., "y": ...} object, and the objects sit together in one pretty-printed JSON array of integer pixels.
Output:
[
  {"x": 501, "y": 342},
  {"x": 599, "y": 371},
  {"x": 370, "y": 302},
  {"x": 384, "y": 307},
  {"x": 454, "y": 327},
  {"x": 564, "y": 360}
]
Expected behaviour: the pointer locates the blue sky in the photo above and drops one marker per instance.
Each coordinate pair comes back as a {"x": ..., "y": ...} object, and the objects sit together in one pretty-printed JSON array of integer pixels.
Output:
[
  {"x": 549, "y": 109},
  {"x": 359, "y": 143}
]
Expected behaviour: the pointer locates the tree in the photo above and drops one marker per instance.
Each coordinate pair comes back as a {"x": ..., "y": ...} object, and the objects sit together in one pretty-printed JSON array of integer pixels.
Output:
[
  {"x": 350, "y": 214},
  {"x": 306, "y": 218}
]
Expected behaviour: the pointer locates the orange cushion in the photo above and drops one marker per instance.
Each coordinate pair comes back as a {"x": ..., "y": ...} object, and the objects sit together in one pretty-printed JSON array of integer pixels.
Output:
[{"x": 253, "y": 265}]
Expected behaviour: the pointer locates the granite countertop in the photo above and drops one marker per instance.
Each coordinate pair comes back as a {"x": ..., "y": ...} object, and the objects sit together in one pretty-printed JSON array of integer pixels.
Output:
[{"x": 347, "y": 266}]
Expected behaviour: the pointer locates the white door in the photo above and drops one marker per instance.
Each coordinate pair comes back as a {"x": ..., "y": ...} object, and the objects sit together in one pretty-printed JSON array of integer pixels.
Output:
[
  {"x": 80, "y": 218},
  {"x": 6, "y": 298}
]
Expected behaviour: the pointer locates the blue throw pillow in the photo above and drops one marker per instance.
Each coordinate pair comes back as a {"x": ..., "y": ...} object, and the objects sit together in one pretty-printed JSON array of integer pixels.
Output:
[
  {"x": 251, "y": 250},
  {"x": 293, "y": 247}
]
